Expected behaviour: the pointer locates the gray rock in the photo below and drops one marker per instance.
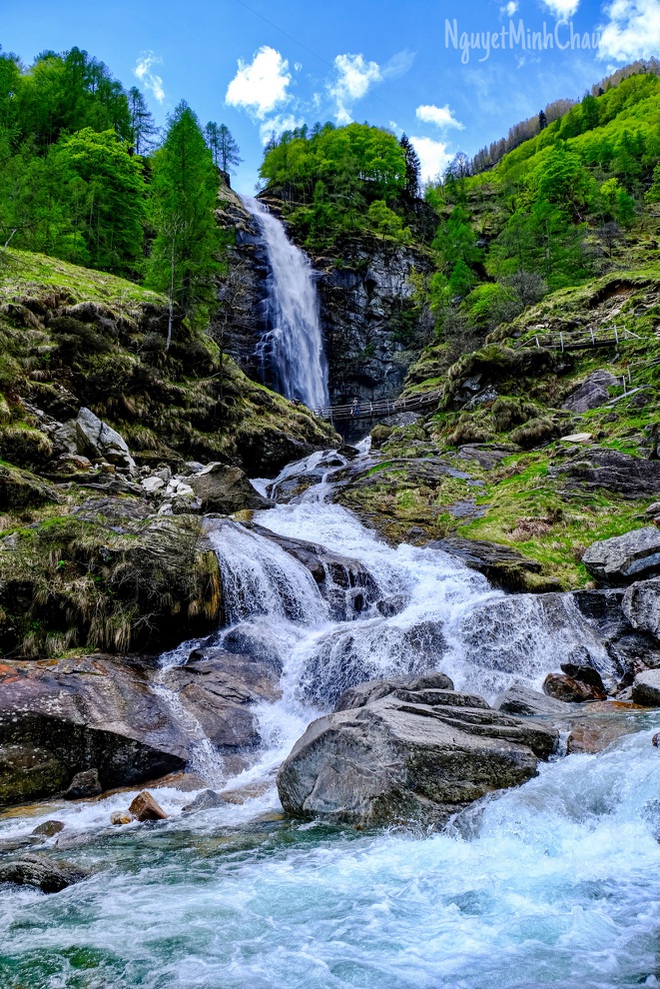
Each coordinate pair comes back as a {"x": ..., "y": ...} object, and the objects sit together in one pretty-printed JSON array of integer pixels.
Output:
[
  {"x": 48, "y": 875},
  {"x": 641, "y": 605},
  {"x": 373, "y": 690},
  {"x": 646, "y": 688},
  {"x": 85, "y": 784},
  {"x": 49, "y": 828},
  {"x": 524, "y": 701},
  {"x": 623, "y": 559},
  {"x": 205, "y": 800},
  {"x": 96, "y": 439},
  {"x": 396, "y": 759},
  {"x": 594, "y": 468},
  {"x": 592, "y": 393},
  {"x": 225, "y": 489}
]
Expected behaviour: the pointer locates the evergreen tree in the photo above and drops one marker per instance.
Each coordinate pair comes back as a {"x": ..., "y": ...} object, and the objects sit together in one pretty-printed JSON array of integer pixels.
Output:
[
  {"x": 413, "y": 167},
  {"x": 225, "y": 150},
  {"x": 143, "y": 128},
  {"x": 183, "y": 196},
  {"x": 543, "y": 120}
]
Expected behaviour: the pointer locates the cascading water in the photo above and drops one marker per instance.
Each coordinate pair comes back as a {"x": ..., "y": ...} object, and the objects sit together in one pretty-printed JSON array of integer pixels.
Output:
[
  {"x": 293, "y": 344},
  {"x": 553, "y": 884}
]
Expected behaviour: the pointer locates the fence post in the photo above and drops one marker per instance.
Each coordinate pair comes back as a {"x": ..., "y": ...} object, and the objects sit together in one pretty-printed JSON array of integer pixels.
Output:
[
  {"x": 561, "y": 340},
  {"x": 537, "y": 341},
  {"x": 616, "y": 334},
  {"x": 593, "y": 339}
]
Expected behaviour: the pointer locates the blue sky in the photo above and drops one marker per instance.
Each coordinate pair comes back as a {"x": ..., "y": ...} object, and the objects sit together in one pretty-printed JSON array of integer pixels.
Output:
[{"x": 412, "y": 66}]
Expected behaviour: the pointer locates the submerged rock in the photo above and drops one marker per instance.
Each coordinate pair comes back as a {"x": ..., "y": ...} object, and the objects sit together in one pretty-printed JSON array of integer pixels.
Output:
[
  {"x": 206, "y": 800},
  {"x": 411, "y": 755},
  {"x": 624, "y": 559},
  {"x": 48, "y": 875}
]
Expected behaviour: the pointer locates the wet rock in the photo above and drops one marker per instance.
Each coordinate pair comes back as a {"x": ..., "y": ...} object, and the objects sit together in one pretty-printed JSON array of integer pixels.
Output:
[
  {"x": 97, "y": 439},
  {"x": 392, "y": 605},
  {"x": 565, "y": 688},
  {"x": 85, "y": 784},
  {"x": 403, "y": 760},
  {"x": 524, "y": 701},
  {"x": 206, "y": 800},
  {"x": 592, "y": 393},
  {"x": 641, "y": 605},
  {"x": 15, "y": 844},
  {"x": 656, "y": 740},
  {"x": 623, "y": 559},
  {"x": 119, "y": 817},
  {"x": 27, "y": 771},
  {"x": 49, "y": 828},
  {"x": 585, "y": 674},
  {"x": 502, "y": 566},
  {"x": 373, "y": 690},
  {"x": 599, "y": 467},
  {"x": 145, "y": 808},
  {"x": 646, "y": 688},
  {"x": 48, "y": 875},
  {"x": 225, "y": 489}
]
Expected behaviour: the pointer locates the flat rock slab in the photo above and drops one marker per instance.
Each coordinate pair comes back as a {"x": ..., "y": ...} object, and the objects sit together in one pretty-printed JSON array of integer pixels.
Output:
[
  {"x": 624, "y": 559},
  {"x": 595, "y": 468},
  {"x": 413, "y": 758}
]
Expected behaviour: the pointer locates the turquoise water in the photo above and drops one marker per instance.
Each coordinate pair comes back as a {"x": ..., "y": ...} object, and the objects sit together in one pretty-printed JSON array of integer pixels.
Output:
[{"x": 554, "y": 884}]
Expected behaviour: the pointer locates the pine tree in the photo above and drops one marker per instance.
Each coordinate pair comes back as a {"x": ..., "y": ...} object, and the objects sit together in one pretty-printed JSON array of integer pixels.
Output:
[
  {"x": 543, "y": 120},
  {"x": 183, "y": 196},
  {"x": 413, "y": 167},
  {"x": 143, "y": 128},
  {"x": 225, "y": 150}
]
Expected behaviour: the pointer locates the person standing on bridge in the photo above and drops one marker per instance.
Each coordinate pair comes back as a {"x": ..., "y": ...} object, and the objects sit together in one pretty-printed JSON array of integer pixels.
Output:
[{"x": 355, "y": 407}]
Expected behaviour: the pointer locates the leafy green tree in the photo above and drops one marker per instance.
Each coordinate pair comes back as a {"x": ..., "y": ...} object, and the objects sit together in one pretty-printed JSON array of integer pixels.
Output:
[{"x": 184, "y": 193}]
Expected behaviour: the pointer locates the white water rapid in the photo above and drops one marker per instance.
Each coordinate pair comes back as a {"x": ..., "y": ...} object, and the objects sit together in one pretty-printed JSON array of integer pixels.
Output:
[
  {"x": 293, "y": 344},
  {"x": 552, "y": 885}
]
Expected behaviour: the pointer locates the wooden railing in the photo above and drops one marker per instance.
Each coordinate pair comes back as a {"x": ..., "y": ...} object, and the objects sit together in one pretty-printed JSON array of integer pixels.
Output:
[{"x": 380, "y": 408}]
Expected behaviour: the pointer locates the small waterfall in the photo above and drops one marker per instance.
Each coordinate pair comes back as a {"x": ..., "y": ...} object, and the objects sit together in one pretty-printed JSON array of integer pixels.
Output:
[{"x": 293, "y": 345}]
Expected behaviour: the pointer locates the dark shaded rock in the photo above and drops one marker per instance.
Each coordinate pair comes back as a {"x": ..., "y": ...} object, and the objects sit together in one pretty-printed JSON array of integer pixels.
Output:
[
  {"x": 592, "y": 393},
  {"x": 20, "y": 489},
  {"x": 225, "y": 490},
  {"x": 623, "y": 559},
  {"x": 373, "y": 690},
  {"x": 393, "y": 760},
  {"x": 565, "y": 688},
  {"x": 145, "y": 808},
  {"x": 205, "y": 800},
  {"x": 48, "y": 875},
  {"x": 504, "y": 567},
  {"x": 641, "y": 605},
  {"x": 646, "y": 688},
  {"x": 49, "y": 828},
  {"x": 28, "y": 770},
  {"x": 388, "y": 607},
  {"x": 85, "y": 784},
  {"x": 598, "y": 467},
  {"x": 585, "y": 674},
  {"x": 524, "y": 701}
]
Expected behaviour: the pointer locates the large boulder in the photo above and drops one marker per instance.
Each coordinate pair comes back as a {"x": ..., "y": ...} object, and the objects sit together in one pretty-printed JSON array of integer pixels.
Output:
[
  {"x": 592, "y": 393},
  {"x": 595, "y": 467},
  {"x": 122, "y": 718},
  {"x": 225, "y": 489},
  {"x": 623, "y": 559},
  {"x": 48, "y": 875},
  {"x": 20, "y": 489},
  {"x": 641, "y": 605},
  {"x": 411, "y": 755},
  {"x": 96, "y": 439},
  {"x": 525, "y": 702},
  {"x": 646, "y": 688}
]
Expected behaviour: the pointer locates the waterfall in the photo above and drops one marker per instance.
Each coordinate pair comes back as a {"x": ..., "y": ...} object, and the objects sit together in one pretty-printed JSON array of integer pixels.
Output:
[{"x": 292, "y": 345}]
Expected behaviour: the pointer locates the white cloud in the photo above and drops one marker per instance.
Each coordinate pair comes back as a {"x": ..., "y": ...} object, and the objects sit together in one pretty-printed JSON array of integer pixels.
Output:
[
  {"x": 355, "y": 76},
  {"x": 561, "y": 8},
  {"x": 433, "y": 156},
  {"x": 397, "y": 66},
  {"x": 441, "y": 116},
  {"x": 260, "y": 85},
  {"x": 277, "y": 125},
  {"x": 633, "y": 30},
  {"x": 150, "y": 80},
  {"x": 510, "y": 8}
]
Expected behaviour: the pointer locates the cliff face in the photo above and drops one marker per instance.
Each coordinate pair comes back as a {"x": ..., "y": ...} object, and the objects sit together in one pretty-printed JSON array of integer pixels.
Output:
[{"x": 373, "y": 327}]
